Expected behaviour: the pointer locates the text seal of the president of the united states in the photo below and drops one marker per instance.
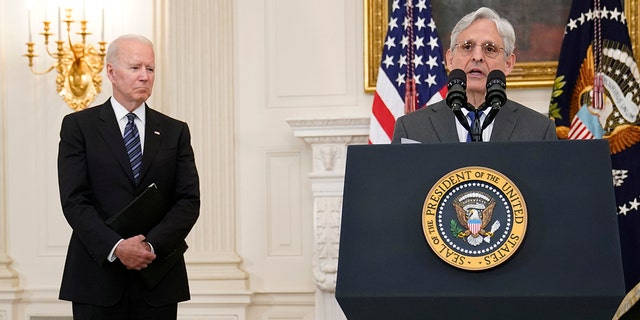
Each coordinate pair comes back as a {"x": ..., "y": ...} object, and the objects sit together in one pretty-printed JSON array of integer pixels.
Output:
[{"x": 474, "y": 218}]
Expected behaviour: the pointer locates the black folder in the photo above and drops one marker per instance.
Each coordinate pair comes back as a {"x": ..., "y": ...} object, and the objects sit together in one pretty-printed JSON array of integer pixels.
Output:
[{"x": 138, "y": 217}]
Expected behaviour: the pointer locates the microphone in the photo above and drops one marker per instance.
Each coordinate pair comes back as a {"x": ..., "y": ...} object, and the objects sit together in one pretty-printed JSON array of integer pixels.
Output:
[
  {"x": 457, "y": 95},
  {"x": 496, "y": 86},
  {"x": 495, "y": 97},
  {"x": 457, "y": 89}
]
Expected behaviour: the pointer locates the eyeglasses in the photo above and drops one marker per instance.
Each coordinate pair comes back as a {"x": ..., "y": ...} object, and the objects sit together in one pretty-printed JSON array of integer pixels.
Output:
[{"x": 489, "y": 49}]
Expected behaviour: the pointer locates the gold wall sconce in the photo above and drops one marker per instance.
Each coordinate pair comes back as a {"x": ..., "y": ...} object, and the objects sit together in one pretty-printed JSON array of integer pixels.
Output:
[{"x": 78, "y": 64}]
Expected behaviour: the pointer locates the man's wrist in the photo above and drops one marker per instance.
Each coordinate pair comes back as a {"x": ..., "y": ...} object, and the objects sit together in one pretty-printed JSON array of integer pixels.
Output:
[
  {"x": 112, "y": 254},
  {"x": 149, "y": 246}
]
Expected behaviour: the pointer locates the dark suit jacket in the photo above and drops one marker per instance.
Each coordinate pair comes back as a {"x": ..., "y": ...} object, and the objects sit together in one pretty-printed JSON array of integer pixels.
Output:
[
  {"x": 96, "y": 181},
  {"x": 437, "y": 123}
]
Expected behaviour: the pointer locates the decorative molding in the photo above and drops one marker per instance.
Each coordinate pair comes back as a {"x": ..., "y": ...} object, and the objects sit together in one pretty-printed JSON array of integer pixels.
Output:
[
  {"x": 335, "y": 72},
  {"x": 198, "y": 89},
  {"x": 335, "y": 130},
  {"x": 328, "y": 158},
  {"x": 327, "y": 240},
  {"x": 211, "y": 127},
  {"x": 329, "y": 139},
  {"x": 10, "y": 293},
  {"x": 283, "y": 298},
  {"x": 284, "y": 231}
]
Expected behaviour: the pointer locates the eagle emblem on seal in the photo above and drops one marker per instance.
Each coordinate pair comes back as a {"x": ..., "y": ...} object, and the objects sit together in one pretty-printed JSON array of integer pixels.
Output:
[{"x": 474, "y": 210}]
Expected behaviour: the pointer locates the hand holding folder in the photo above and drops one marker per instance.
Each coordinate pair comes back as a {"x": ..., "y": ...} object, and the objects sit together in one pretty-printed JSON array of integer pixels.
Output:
[{"x": 140, "y": 216}]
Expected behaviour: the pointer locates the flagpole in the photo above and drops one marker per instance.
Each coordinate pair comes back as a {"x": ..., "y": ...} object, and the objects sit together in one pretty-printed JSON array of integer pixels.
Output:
[{"x": 410, "y": 82}]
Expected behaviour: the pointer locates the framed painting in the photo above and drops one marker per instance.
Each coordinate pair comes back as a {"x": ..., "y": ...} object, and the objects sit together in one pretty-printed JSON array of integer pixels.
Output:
[{"x": 539, "y": 26}]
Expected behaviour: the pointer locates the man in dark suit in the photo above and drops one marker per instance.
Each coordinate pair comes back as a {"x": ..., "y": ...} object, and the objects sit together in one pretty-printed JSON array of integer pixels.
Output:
[
  {"x": 96, "y": 179},
  {"x": 481, "y": 42}
]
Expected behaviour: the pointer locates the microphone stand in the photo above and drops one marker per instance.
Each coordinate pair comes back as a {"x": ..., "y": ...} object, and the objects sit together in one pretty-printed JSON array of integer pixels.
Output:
[
  {"x": 457, "y": 99},
  {"x": 492, "y": 114},
  {"x": 462, "y": 119},
  {"x": 476, "y": 130}
]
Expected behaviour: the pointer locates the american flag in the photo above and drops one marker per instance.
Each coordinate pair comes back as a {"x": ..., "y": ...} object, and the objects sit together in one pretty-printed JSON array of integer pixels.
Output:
[{"x": 411, "y": 73}]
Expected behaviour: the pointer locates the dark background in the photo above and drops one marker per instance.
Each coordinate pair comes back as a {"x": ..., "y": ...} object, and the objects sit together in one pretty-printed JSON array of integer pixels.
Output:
[{"x": 539, "y": 24}]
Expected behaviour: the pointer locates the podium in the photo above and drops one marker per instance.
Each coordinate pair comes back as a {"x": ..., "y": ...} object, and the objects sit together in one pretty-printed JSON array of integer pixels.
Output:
[{"x": 567, "y": 267}]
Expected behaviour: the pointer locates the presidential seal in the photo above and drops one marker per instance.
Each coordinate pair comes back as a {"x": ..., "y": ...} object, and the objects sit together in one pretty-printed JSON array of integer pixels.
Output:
[{"x": 474, "y": 218}]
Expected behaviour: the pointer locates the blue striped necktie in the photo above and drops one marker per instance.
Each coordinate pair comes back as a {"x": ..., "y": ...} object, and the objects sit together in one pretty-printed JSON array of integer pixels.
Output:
[
  {"x": 132, "y": 143},
  {"x": 475, "y": 122}
]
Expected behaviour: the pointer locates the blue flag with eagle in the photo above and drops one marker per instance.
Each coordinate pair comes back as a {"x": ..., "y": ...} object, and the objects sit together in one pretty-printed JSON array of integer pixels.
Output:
[{"x": 596, "y": 95}]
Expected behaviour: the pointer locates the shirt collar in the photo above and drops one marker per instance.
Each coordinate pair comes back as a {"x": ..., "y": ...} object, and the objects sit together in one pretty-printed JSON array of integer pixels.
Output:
[
  {"x": 121, "y": 112},
  {"x": 485, "y": 111}
]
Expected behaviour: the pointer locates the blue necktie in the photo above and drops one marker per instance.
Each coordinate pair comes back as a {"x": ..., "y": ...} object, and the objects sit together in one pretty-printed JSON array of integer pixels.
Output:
[
  {"x": 132, "y": 143},
  {"x": 475, "y": 123}
]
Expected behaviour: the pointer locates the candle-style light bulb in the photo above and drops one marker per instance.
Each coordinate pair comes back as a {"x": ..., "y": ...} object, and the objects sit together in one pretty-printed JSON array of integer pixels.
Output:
[
  {"x": 59, "y": 26},
  {"x": 102, "y": 35},
  {"x": 29, "y": 21}
]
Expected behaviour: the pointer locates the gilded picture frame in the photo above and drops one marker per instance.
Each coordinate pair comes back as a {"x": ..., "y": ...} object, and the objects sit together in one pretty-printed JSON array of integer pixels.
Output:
[{"x": 525, "y": 74}]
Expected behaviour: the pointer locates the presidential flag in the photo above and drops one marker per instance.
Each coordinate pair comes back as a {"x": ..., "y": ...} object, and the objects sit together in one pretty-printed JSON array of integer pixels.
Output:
[
  {"x": 411, "y": 73},
  {"x": 596, "y": 95}
]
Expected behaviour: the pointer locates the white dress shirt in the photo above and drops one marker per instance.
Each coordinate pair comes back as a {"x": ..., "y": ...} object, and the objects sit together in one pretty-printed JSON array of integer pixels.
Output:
[{"x": 463, "y": 133}]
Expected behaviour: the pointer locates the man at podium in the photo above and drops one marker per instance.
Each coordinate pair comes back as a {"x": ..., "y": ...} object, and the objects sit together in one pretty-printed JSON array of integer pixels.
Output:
[{"x": 480, "y": 55}]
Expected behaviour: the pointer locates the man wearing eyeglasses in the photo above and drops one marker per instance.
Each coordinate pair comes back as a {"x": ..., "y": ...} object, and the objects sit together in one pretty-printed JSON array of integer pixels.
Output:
[{"x": 481, "y": 42}]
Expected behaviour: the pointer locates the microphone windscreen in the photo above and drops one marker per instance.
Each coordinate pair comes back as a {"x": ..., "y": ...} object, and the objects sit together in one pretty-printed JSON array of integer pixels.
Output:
[
  {"x": 497, "y": 77},
  {"x": 457, "y": 76},
  {"x": 496, "y": 89},
  {"x": 456, "y": 89}
]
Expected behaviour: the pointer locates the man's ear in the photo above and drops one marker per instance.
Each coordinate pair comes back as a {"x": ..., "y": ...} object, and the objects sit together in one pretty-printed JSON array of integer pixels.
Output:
[
  {"x": 510, "y": 63},
  {"x": 110, "y": 71},
  {"x": 448, "y": 57}
]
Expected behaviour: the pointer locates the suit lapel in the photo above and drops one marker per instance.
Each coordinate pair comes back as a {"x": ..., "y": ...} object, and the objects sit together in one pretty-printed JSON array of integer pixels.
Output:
[
  {"x": 110, "y": 132},
  {"x": 444, "y": 122},
  {"x": 152, "y": 140},
  {"x": 504, "y": 123}
]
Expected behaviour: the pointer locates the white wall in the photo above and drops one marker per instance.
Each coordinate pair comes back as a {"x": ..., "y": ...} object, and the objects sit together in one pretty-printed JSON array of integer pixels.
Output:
[
  {"x": 291, "y": 59},
  {"x": 296, "y": 59}
]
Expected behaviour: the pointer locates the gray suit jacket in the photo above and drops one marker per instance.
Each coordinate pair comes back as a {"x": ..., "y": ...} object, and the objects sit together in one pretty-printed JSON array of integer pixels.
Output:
[{"x": 437, "y": 123}]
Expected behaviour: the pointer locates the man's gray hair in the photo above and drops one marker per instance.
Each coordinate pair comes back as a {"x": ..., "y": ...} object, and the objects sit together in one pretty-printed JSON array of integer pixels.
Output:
[
  {"x": 114, "y": 48},
  {"x": 505, "y": 29}
]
